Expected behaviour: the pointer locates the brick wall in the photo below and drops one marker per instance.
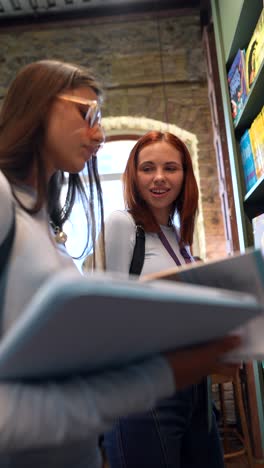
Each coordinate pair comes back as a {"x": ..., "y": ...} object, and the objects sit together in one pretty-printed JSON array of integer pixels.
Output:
[{"x": 143, "y": 61}]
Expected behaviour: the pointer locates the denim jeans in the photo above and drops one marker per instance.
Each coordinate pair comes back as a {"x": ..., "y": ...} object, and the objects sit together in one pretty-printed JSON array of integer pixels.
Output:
[
  {"x": 75, "y": 455},
  {"x": 173, "y": 435}
]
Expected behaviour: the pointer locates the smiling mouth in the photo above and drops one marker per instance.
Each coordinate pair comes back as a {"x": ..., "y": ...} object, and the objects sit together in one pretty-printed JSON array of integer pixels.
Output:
[{"x": 159, "y": 191}]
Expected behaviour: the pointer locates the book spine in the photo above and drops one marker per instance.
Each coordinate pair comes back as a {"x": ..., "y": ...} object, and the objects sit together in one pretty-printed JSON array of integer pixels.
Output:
[
  {"x": 256, "y": 133},
  {"x": 248, "y": 163},
  {"x": 237, "y": 85}
]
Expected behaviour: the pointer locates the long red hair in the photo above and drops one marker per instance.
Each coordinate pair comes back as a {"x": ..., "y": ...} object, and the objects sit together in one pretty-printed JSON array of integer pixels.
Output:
[{"x": 185, "y": 205}]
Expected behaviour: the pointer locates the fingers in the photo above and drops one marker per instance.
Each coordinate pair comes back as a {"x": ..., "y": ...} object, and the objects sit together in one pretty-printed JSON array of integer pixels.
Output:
[
  {"x": 214, "y": 352},
  {"x": 223, "y": 345},
  {"x": 189, "y": 366}
]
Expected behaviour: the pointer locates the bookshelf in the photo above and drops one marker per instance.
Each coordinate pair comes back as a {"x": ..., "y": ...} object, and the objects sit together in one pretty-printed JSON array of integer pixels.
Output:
[
  {"x": 253, "y": 104},
  {"x": 245, "y": 18},
  {"x": 234, "y": 22}
]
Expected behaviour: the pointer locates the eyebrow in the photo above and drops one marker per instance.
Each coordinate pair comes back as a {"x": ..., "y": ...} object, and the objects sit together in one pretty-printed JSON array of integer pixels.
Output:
[{"x": 165, "y": 163}]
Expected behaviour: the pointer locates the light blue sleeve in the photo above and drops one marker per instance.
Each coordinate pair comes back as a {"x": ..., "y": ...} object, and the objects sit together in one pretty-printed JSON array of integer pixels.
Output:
[
  {"x": 39, "y": 415},
  {"x": 120, "y": 237}
]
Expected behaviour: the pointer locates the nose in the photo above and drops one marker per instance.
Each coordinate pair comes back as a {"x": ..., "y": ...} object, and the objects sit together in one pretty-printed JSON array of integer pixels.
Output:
[
  {"x": 159, "y": 176},
  {"x": 96, "y": 135}
]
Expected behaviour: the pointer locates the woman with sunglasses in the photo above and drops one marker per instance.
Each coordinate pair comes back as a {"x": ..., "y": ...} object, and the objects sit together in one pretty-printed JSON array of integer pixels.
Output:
[
  {"x": 49, "y": 125},
  {"x": 159, "y": 184}
]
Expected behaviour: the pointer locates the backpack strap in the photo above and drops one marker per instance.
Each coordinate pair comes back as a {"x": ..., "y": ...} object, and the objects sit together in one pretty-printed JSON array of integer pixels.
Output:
[
  {"x": 5, "y": 250},
  {"x": 5, "y": 247},
  {"x": 138, "y": 257}
]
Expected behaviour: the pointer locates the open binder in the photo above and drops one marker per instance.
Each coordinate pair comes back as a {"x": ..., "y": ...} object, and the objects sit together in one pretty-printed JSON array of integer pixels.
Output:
[
  {"x": 239, "y": 273},
  {"x": 76, "y": 325}
]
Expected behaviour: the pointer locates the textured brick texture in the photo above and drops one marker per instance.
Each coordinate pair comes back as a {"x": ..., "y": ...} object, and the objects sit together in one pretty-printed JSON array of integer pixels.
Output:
[{"x": 143, "y": 62}]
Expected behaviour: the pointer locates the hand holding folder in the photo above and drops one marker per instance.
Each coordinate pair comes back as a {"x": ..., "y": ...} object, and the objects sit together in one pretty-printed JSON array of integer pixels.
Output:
[
  {"x": 190, "y": 365},
  {"x": 76, "y": 325}
]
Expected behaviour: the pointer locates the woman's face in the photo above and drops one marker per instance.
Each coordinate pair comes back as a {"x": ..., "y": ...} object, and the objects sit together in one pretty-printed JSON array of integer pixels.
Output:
[
  {"x": 160, "y": 178},
  {"x": 69, "y": 140}
]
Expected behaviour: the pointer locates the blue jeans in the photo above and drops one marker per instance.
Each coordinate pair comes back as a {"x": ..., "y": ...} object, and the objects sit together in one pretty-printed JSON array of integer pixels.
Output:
[
  {"x": 71, "y": 455},
  {"x": 173, "y": 435}
]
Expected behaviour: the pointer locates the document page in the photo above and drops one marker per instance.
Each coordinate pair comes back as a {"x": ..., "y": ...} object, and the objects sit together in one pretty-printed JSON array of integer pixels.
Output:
[{"x": 241, "y": 272}]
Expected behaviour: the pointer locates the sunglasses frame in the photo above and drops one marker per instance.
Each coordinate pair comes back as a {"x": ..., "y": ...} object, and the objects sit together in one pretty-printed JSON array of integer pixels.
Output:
[{"x": 93, "y": 114}]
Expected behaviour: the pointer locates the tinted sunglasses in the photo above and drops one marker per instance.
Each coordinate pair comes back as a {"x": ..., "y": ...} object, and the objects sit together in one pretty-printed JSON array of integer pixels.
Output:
[{"x": 89, "y": 109}]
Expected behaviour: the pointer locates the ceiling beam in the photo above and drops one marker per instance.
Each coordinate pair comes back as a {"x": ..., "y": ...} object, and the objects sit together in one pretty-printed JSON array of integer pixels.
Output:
[{"x": 79, "y": 9}]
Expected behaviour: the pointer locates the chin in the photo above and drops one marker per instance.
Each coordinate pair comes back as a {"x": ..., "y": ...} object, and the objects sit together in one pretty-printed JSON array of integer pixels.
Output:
[{"x": 76, "y": 168}]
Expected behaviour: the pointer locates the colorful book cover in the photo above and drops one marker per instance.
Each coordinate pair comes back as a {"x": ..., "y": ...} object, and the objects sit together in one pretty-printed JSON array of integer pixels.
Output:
[
  {"x": 256, "y": 132},
  {"x": 259, "y": 137},
  {"x": 237, "y": 85},
  {"x": 255, "y": 52},
  {"x": 247, "y": 161},
  {"x": 261, "y": 133}
]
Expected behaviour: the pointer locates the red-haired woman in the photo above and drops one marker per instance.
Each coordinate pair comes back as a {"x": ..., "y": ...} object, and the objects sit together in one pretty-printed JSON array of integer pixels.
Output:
[{"x": 159, "y": 184}]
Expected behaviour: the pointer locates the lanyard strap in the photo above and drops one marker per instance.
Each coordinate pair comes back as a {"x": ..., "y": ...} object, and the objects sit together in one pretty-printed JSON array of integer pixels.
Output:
[{"x": 170, "y": 250}]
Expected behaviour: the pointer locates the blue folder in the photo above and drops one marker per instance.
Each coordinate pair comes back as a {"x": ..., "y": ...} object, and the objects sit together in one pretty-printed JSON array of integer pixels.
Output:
[{"x": 76, "y": 325}]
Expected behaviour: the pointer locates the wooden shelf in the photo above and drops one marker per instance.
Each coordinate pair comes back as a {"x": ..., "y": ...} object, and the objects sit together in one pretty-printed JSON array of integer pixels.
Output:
[
  {"x": 254, "y": 199},
  {"x": 249, "y": 14},
  {"x": 253, "y": 104}
]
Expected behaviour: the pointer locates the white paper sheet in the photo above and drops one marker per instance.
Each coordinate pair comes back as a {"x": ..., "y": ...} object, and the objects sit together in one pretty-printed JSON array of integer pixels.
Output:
[{"x": 241, "y": 272}]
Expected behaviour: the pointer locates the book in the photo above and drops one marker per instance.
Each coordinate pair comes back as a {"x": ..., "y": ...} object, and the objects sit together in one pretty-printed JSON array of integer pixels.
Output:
[
  {"x": 256, "y": 132},
  {"x": 237, "y": 85},
  {"x": 75, "y": 325},
  {"x": 248, "y": 163},
  {"x": 258, "y": 231},
  {"x": 239, "y": 273},
  {"x": 255, "y": 52}
]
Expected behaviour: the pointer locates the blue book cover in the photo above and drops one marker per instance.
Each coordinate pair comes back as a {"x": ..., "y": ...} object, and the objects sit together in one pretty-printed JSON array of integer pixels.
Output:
[
  {"x": 247, "y": 161},
  {"x": 237, "y": 85}
]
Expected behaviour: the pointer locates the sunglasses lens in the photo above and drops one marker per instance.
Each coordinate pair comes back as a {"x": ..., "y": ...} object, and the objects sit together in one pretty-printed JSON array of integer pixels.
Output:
[
  {"x": 93, "y": 116},
  {"x": 98, "y": 116}
]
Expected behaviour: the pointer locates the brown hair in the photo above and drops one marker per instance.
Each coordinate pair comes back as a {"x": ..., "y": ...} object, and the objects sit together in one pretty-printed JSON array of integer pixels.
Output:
[
  {"x": 186, "y": 203},
  {"x": 22, "y": 131}
]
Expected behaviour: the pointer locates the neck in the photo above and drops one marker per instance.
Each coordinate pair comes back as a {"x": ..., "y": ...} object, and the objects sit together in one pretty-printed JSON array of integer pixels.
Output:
[{"x": 162, "y": 217}]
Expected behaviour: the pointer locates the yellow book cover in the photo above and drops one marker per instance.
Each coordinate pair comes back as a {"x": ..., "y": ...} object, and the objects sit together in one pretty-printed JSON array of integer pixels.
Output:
[
  {"x": 255, "y": 52},
  {"x": 256, "y": 133},
  {"x": 260, "y": 136}
]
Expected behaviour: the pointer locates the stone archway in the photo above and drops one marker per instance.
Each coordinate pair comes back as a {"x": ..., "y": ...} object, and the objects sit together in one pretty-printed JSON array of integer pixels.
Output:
[{"x": 126, "y": 125}]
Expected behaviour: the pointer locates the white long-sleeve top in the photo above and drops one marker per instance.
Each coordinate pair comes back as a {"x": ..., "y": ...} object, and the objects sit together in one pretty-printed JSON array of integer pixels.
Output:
[
  {"x": 56, "y": 413},
  {"x": 120, "y": 237}
]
